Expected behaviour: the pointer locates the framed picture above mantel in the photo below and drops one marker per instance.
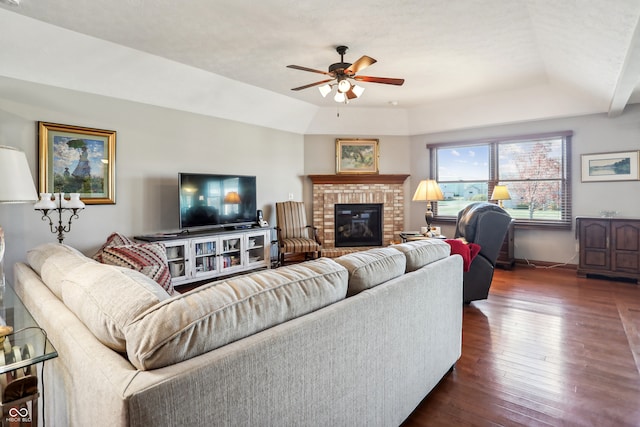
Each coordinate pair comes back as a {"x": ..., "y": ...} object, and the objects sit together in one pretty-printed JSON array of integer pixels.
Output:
[
  {"x": 357, "y": 156},
  {"x": 74, "y": 159}
]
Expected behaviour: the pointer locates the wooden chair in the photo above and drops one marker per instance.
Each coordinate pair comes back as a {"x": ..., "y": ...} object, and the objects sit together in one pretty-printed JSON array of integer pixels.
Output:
[{"x": 294, "y": 234}]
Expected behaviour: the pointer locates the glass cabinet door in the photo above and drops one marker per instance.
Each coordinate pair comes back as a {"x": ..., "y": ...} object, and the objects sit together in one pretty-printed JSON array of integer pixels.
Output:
[
  {"x": 205, "y": 256},
  {"x": 231, "y": 252},
  {"x": 178, "y": 260},
  {"x": 256, "y": 248}
]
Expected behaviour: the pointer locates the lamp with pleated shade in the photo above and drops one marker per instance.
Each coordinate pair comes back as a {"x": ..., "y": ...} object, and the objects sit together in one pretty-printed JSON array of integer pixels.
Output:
[{"x": 428, "y": 190}]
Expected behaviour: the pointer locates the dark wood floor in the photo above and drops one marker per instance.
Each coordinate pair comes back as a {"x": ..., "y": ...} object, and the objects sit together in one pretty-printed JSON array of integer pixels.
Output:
[{"x": 546, "y": 348}]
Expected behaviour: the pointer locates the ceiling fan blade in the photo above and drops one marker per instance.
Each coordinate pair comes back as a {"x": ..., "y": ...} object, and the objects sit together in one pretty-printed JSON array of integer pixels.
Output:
[
  {"x": 350, "y": 95},
  {"x": 385, "y": 80},
  {"x": 312, "y": 84},
  {"x": 360, "y": 64},
  {"x": 298, "y": 67}
]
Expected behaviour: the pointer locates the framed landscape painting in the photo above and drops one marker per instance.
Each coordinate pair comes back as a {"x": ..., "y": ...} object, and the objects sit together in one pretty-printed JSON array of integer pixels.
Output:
[
  {"x": 355, "y": 156},
  {"x": 75, "y": 159},
  {"x": 622, "y": 166}
]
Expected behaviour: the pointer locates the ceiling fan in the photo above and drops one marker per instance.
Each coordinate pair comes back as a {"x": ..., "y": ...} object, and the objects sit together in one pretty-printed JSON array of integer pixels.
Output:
[{"x": 341, "y": 72}]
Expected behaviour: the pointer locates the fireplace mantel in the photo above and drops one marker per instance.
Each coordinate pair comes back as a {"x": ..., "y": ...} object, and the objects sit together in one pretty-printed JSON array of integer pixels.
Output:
[{"x": 358, "y": 179}]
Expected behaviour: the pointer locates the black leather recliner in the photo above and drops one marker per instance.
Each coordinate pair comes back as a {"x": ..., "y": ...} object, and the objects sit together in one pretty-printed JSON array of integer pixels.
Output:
[{"x": 485, "y": 224}]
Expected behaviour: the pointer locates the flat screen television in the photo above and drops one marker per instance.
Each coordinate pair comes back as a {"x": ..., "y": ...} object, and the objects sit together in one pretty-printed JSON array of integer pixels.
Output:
[{"x": 216, "y": 201}]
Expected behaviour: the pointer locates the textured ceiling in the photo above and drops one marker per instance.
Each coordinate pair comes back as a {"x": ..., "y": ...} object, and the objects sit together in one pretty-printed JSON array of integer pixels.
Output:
[{"x": 445, "y": 50}]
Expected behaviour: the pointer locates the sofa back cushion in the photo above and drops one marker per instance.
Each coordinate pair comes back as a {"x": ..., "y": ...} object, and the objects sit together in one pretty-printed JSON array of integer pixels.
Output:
[
  {"x": 422, "y": 252},
  {"x": 52, "y": 261},
  {"x": 221, "y": 312},
  {"x": 372, "y": 268},
  {"x": 106, "y": 298}
]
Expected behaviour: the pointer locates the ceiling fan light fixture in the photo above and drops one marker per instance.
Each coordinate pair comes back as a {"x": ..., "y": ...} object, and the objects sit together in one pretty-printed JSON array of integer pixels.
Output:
[
  {"x": 357, "y": 90},
  {"x": 344, "y": 86},
  {"x": 341, "y": 75},
  {"x": 324, "y": 90}
]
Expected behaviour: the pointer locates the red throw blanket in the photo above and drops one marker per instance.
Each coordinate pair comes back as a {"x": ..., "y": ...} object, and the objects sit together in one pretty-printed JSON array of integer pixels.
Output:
[{"x": 468, "y": 251}]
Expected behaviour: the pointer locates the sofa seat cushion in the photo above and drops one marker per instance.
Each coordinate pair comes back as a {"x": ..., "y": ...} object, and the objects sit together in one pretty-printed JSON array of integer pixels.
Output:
[
  {"x": 221, "y": 312},
  {"x": 422, "y": 252},
  {"x": 52, "y": 261},
  {"x": 106, "y": 298},
  {"x": 372, "y": 267}
]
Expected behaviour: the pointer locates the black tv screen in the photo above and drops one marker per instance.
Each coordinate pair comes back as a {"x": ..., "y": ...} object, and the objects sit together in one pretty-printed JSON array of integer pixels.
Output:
[{"x": 208, "y": 200}]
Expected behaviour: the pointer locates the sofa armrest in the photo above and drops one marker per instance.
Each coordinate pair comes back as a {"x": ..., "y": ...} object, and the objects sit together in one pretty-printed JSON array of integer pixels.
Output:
[{"x": 85, "y": 371}]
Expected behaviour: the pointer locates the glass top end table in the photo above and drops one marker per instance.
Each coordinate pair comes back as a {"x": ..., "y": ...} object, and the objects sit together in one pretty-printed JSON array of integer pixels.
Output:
[
  {"x": 26, "y": 335},
  {"x": 23, "y": 344}
]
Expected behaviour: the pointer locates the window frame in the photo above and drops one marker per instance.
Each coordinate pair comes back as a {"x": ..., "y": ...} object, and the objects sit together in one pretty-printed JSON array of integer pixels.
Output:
[{"x": 565, "y": 222}]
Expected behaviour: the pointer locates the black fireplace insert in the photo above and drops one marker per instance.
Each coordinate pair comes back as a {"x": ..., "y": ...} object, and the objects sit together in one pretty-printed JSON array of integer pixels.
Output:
[{"x": 358, "y": 224}]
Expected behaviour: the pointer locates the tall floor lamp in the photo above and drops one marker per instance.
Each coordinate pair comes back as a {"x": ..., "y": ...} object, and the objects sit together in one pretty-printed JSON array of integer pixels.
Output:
[
  {"x": 16, "y": 186},
  {"x": 428, "y": 190}
]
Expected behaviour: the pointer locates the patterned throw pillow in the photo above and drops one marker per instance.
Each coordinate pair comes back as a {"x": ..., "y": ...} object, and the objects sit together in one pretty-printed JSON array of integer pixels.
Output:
[
  {"x": 148, "y": 258},
  {"x": 115, "y": 239}
]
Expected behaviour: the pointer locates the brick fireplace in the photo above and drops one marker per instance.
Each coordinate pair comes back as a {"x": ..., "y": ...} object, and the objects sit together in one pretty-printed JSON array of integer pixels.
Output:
[{"x": 329, "y": 190}]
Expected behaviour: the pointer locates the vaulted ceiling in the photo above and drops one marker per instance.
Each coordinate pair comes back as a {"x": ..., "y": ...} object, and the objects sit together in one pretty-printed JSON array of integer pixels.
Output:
[{"x": 525, "y": 59}]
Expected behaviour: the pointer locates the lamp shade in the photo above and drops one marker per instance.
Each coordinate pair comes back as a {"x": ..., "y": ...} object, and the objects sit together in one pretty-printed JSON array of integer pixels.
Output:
[
  {"x": 500, "y": 192},
  {"x": 429, "y": 190},
  {"x": 16, "y": 182},
  {"x": 232, "y": 198},
  {"x": 357, "y": 90},
  {"x": 324, "y": 90},
  {"x": 344, "y": 86}
]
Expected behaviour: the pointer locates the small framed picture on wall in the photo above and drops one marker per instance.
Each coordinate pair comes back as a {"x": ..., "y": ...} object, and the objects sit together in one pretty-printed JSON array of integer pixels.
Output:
[{"x": 620, "y": 166}]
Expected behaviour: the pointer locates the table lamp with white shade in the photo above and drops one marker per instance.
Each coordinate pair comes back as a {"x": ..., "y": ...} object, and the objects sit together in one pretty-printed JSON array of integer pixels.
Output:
[
  {"x": 428, "y": 190},
  {"x": 16, "y": 186}
]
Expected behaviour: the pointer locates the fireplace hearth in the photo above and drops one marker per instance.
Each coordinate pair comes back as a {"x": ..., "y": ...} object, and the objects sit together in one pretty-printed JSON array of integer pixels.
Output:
[{"x": 358, "y": 224}]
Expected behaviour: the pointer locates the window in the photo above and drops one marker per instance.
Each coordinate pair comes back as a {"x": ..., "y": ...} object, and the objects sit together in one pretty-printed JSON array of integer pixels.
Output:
[{"x": 536, "y": 170}]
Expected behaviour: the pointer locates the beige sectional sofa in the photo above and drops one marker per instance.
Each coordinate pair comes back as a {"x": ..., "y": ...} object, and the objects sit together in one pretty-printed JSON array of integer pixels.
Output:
[{"x": 359, "y": 340}]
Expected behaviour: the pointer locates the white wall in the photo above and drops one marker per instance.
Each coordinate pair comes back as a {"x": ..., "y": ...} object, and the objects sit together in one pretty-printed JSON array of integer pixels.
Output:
[
  {"x": 592, "y": 134},
  {"x": 153, "y": 145}
]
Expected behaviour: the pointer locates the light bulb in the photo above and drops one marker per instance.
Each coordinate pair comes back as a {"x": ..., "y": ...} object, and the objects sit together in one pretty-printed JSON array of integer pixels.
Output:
[
  {"x": 339, "y": 97},
  {"x": 344, "y": 86}
]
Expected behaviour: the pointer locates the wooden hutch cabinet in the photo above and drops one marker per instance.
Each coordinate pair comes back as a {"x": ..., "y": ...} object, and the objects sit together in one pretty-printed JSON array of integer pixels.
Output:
[{"x": 609, "y": 247}]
